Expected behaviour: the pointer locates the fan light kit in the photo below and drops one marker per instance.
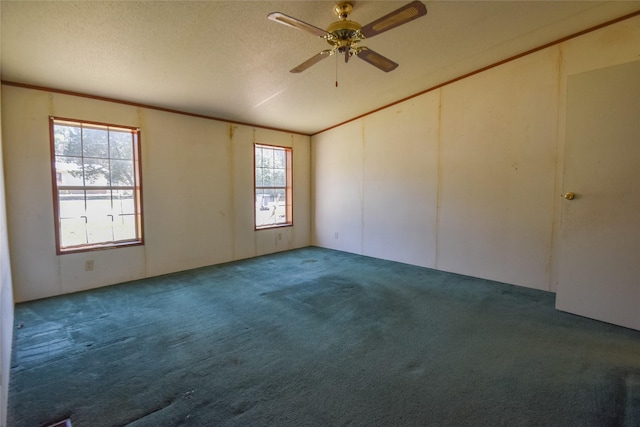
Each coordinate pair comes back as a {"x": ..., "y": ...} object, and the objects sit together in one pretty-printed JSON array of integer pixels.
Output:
[{"x": 345, "y": 35}]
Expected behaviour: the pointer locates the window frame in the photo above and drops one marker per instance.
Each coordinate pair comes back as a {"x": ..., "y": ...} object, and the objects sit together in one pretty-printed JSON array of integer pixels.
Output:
[
  {"x": 288, "y": 188},
  {"x": 136, "y": 188}
]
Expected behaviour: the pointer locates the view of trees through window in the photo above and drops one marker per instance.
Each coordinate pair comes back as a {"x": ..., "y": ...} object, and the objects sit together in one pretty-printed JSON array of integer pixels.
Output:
[
  {"x": 97, "y": 184},
  {"x": 273, "y": 186}
]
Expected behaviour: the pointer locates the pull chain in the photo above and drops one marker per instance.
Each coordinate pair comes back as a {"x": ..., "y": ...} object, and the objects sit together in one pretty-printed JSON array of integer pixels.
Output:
[{"x": 336, "y": 55}]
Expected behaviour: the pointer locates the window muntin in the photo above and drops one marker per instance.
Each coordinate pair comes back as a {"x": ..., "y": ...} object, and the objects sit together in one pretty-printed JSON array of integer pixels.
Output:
[
  {"x": 97, "y": 185},
  {"x": 273, "y": 186}
]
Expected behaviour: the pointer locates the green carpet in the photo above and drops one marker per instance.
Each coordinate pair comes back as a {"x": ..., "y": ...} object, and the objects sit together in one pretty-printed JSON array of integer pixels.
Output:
[{"x": 316, "y": 337}]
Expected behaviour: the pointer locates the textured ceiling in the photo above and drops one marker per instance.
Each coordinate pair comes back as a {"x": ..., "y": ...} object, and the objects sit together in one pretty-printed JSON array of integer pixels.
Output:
[{"x": 226, "y": 59}]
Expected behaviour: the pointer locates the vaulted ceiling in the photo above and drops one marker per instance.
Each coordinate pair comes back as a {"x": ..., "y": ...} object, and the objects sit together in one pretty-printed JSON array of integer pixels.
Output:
[{"x": 225, "y": 59}]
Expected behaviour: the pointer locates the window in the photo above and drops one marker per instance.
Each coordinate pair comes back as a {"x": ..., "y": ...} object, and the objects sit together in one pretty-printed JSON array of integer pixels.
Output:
[
  {"x": 273, "y": 186},
  {"x": 96, "y": 185}
]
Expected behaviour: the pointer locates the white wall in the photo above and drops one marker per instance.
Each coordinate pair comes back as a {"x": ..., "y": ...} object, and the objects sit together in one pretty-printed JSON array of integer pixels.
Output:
[
  {"x": 6, "y": 298},
  {"x": 6, "y": 305},
  {"x": 6, "y": 295},
  {"x": 465, "y": 178},
  {"x": 498, "y": 133},
  {"x": 197, "y": 192},
  {"x": 400, "y": 181}
]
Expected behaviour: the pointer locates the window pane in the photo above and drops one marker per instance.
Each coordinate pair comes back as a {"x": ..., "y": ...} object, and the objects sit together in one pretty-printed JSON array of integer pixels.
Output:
[
  {"x": 279, "y": 178},
  {"x": 73, "y": 231},
  {"x": 71, "y": 204},
  {"x": 99, "y": 230},
  {"x": 69, "y": 171},
  {"x": 98, "y": 202},
  {"x": 124, "y": 227},
  {"x": 99, "y": 216},
  {"x": 267, "y": 177},
  {"x": 267, "y": 158},
  {"x": 123, "y": 203},
  {"x": 122, "y": 173},
  {"x": 120, "y": 145},
  {"x": 259, "y": 177},
  {"x": 265, "y": 207},
  {"x": 259, "y": 156},
  {"x": 67, "y": 140},
  {"x": 96, "y": 172},
  {"x": 281, "y": 207},
  {"x": 94, "y": 143},
  {"x": 279, "y": 159}
]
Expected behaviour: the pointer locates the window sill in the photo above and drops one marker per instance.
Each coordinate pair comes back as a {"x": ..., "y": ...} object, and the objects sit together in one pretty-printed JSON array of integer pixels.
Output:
[
  {"x": 269, "y": 227},
  {"x": 91, "y": 248}
]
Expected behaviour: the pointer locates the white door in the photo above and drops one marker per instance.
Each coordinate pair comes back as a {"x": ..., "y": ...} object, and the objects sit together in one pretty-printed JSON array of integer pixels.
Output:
[{"x": 599, "y": 259}]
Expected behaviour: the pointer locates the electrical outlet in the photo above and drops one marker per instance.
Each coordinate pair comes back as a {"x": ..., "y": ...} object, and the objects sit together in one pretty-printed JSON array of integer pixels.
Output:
[
  {"x": 88, "y": 265},
  {"x": 336, "y": 235},
  {"x": 279, "y": 236}
]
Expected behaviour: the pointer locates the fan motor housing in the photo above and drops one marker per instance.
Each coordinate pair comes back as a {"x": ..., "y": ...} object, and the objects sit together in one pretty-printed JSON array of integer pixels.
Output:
[
  {"x": 340, "y": 26},
  {"x": 343, "y": 32}
]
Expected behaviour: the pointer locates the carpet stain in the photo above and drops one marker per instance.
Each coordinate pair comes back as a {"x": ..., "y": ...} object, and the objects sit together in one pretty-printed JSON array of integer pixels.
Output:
[
  {"x": 414, "y": 369},
  {"x": 235, "y": 361},
  {"x": 242, "y": 407},
  {"x": 46, "y": 342},
  {"x": 325, "y": 297}
]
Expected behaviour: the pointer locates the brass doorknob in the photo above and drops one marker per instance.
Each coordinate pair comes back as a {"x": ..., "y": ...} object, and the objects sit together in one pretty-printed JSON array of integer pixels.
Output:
[{"x": 569, "y": 196}]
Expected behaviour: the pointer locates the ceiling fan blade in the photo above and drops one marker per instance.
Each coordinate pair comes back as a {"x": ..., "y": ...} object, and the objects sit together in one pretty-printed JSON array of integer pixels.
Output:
[
  {"x": 312, "y": 61},
  {"x": 296, "y": 23},
  {"x": 406, "y": 13},
  {"x": 377, "y": 60}
]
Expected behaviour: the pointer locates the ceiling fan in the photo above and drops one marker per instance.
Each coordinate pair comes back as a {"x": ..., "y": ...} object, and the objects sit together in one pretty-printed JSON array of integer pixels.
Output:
[{"x": 345, "y": 35}]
